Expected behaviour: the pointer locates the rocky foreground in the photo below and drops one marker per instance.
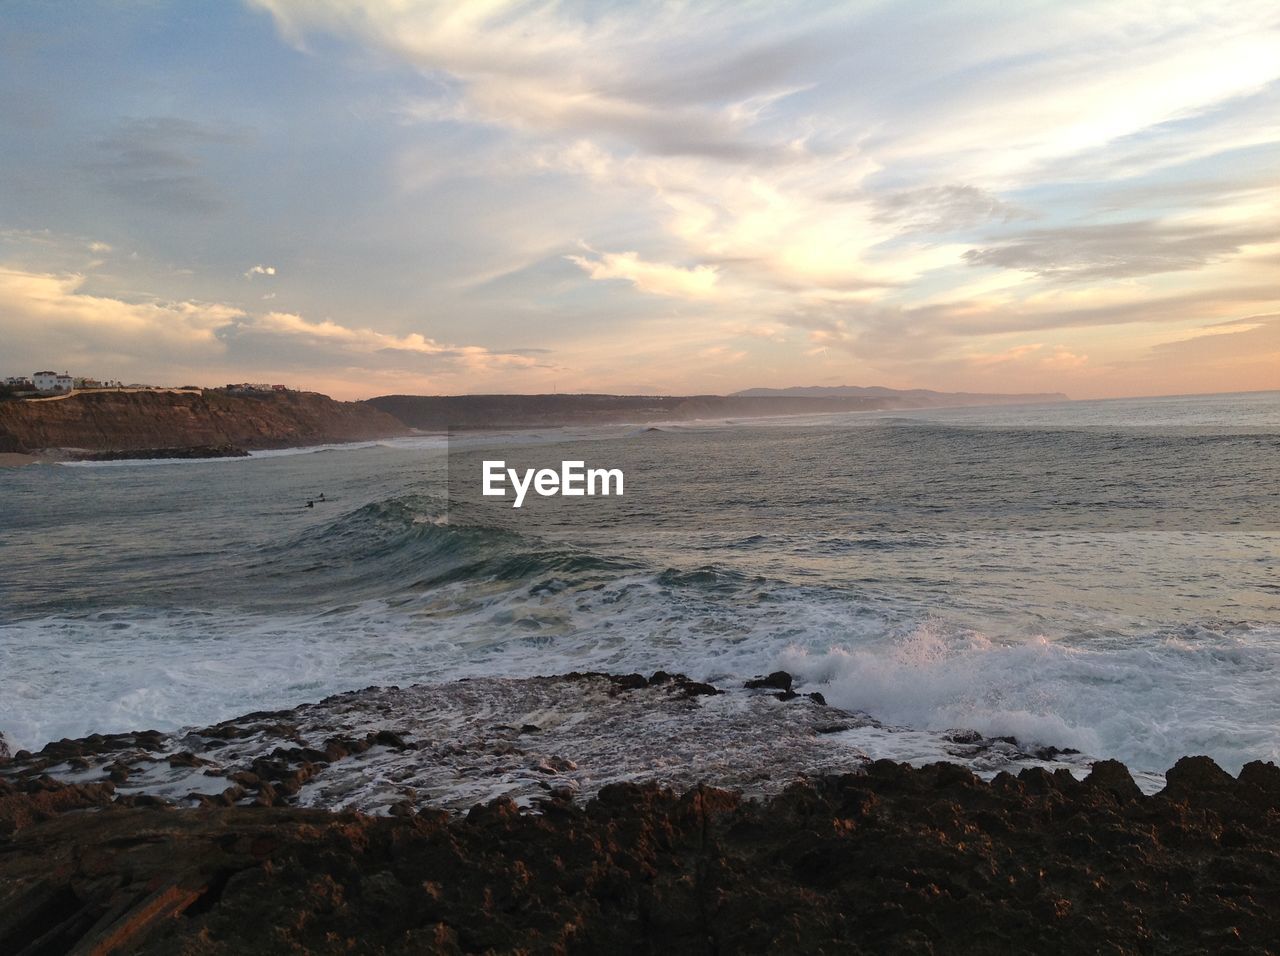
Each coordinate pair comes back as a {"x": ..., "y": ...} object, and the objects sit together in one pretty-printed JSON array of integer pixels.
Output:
[{"x": 102, "y": 850}]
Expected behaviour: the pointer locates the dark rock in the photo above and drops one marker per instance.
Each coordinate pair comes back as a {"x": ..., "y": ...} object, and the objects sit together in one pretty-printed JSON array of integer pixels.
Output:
[
  {"x": 630, "y": 681},
  {"x": 818, "y": 699},
  {"x": 389, "y": 738},
  {"x": 778, "y": 680},
  {"x": 693, "y": 688},
  {"x": 786, "y": 695},
  {"x": 225, "y": 450},
  {"x": 1196, "y": 776},
  {"x": 1114, "y": 777},
  {"x": 1262, "y": 781},
  {"x": 896, "y": 860}
]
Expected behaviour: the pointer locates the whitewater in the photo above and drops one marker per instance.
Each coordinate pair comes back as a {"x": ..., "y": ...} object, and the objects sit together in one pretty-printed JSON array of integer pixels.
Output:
[{"x": 1098, "y": 576}]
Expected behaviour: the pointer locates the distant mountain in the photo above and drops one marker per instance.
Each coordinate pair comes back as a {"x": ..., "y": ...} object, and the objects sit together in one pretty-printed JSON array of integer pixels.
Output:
[{"x": 903, "y": 398}]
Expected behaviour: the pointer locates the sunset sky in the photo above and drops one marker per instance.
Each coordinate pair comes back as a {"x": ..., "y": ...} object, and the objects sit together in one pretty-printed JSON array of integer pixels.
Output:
[{"x": 399, "y": 196}]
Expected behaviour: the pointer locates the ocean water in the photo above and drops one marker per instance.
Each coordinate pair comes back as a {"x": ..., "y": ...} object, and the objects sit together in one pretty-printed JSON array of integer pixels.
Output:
[{"x": 1103, "y": 576}]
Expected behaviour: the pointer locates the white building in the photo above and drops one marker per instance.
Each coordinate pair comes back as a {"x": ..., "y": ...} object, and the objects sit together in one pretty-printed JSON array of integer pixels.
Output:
[{"x": 51, "y": 381}]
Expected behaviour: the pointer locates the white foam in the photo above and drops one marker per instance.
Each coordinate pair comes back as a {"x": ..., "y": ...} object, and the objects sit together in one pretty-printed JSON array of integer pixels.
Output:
[{"x": 1146, "y": 700}]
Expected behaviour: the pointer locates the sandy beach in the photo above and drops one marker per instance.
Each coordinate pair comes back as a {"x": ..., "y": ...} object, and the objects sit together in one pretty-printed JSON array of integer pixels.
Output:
[{"x": 12, "y": 459}]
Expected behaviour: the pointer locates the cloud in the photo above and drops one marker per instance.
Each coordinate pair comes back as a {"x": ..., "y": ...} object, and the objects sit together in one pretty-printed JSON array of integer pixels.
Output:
[
  {"x": 615, "y": 74},
  {"x": 655, "y": 278},
  {"x": 52, "y": 319},
  {"x": 1120, "y": 250},
  {"x": 157, "y": 161},
  {"x": 944, "y": 208},
  {"x": 353, "y": 343},
  {"x": 902, "y": 187}
]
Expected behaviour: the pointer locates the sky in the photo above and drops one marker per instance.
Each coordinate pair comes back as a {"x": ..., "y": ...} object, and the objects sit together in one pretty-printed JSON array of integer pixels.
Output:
[{"x": 364, "y": 197}]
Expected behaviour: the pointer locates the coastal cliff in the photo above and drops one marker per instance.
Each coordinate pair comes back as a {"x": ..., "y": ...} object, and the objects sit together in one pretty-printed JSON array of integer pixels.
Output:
[{"x": 118, "y": 421}]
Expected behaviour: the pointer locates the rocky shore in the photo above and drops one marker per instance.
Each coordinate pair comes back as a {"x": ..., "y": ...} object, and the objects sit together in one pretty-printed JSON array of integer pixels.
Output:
[
  {"x": 422, "y": 820},
  {"x": 225, "y": 450}
]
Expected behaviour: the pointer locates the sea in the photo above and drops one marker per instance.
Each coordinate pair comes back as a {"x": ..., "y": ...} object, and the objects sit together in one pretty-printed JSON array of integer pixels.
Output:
[{"x": 1102, "y": 576}]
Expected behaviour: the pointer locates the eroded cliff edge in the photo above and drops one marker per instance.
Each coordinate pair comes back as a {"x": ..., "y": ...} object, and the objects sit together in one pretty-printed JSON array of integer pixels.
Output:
[{"x": 139, "y": 420}]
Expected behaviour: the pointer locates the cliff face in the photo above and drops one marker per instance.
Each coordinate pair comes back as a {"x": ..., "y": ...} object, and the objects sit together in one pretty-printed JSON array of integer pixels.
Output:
[{"x": 123, "y": 421}]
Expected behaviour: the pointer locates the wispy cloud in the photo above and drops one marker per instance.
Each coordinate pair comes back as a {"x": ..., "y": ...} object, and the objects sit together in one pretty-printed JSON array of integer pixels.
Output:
[
  {"x": 657, "y": 278},
  {"x": 1122, "y": 249},
  {"x": 924, "y": 194}
]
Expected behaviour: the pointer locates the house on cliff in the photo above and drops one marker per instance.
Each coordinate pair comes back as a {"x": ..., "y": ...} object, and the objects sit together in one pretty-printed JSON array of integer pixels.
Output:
[{"x": 52, "y": 381}]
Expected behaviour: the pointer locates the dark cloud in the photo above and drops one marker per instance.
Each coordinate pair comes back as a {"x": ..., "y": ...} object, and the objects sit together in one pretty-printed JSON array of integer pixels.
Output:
[
  {"x": 944, "y": 208},
  {"x": 1118, "y": 250},
  {"x": 879, "y": 332},
  {"x": 762, "y": 69},
  {"x": 156, "y": 162},
  {"x": 687, "y": 131}
]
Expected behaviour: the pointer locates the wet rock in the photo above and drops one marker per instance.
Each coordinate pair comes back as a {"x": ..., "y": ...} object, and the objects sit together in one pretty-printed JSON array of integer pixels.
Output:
[
  {"x": 226, "y": 798},
  {"x": 245, "y": 778},
  {"x": 691, "y": 688},
  {"x": 832, "y": 728},
  {"x": 818, "y": 699},
  {"x": 681, "y": 683},
  {"x": 5, "y": 754},
  {"x": 224, "y": 450},
  {"x": 778, "y": 680},
  {"x": 554, "y": 764},
  {"x": 389, "y": 738},
  {"x": 630, "y": 681}
]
